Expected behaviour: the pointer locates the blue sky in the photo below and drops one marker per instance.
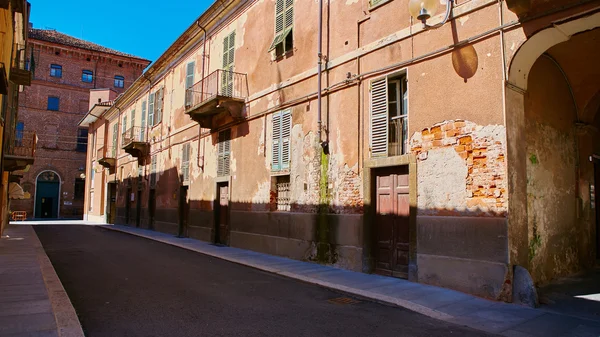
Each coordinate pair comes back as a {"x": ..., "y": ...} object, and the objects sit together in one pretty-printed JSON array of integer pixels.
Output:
[{"x": 142, "y": 28}]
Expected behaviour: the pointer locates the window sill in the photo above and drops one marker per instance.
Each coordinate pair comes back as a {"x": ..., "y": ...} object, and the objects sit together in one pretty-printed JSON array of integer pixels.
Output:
[
  {"x": 372, "y": 8},
  {"x": 286, "y": 55},
  {"x": 280, "y": 173}
]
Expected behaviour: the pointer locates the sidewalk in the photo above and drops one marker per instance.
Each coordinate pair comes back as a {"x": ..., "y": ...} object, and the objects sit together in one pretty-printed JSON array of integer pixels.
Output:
[
  {"x": 33, "y": 302},
  {"x": 444, "y": 304}
]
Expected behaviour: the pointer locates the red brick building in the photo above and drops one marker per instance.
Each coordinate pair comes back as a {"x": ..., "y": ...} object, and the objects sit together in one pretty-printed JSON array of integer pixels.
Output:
[{"x": 65, "y": 70}]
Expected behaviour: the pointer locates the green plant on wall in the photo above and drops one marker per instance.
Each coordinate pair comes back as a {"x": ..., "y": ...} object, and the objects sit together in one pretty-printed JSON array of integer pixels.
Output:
[
  {"x": 534, "y": 244},
  {"x": 533, "y": 159}
]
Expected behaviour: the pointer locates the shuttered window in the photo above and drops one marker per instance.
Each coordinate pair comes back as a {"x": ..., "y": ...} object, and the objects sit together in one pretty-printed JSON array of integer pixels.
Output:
[
  {"x": 151, "y": 109},
  {"x": 284, "y": 24},
  {"x": 389, "y": 116},
  {"x": 189, "y": 82},
  {"x": 228, "y": 58},
  {"x": 153, "y": 172},
  {"x": 114, "y": 140},
  {"x": 282, "y": 127},
  {"x": 133, "y": 118},
  {"x": 223, "y": 153},
  {"x": 123, "y": 129},
  {"x": 374, "y": 3},
  {"x": 143, "y": 130},
  {"x": 379, "y": 118},
  {"x": 185, "y": 162},
  {"x": 158, "y": 105}
]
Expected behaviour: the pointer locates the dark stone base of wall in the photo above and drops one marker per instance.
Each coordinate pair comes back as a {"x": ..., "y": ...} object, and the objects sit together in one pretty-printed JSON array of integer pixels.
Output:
[{"x": 469, "y": 254}]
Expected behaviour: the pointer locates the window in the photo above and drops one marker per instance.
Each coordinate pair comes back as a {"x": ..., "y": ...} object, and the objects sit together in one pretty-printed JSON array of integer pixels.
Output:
[
  {"x": 223, "y": 153},
  {"x": 189, "y": 82},
  {"x": 82, "y": 140},
  {"x": 375, "y": 3},
  {"x": 132, "y": 118},
  {"x": 228, "y": 58},
  {"x": 114, "y": 140},
  {"x": 153, "y": 172},
  {"x": 87, "y": 76},
  {"x": 281, "y": 191},
  {"x": 92, "y": 172},
  {"x": 155, "y": 107},
  {"x": 19, "y": 134},
  {"x": 185, "y": 162},
  {"x": 53, "y": 103},
  {"x": 119, "y": 81},
  {"x": 143, "y": 130},
  {"x": 282, "y": 124},
  {"x": 283, "y": 41},
  {"x": 389, "y": 116},
  {"x": 56, "y": 70},
  {"x": 123, "y": 130},
  {"x": 79, "y": 189}
]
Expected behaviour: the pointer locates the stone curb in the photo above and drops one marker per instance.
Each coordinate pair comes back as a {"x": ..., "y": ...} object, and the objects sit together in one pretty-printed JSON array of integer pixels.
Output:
[
  {"x": 274, "y": 270},
  {"x": 67, "y": 322}
]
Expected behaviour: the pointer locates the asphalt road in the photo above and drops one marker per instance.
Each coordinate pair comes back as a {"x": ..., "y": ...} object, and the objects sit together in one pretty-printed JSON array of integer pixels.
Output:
[{"x": 122, "y": 285}]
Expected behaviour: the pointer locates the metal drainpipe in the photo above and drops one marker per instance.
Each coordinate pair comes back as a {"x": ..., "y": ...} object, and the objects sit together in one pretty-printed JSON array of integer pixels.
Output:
[
  {"x": 201, "y": 85},
  {"x": 319, "y": 70}
]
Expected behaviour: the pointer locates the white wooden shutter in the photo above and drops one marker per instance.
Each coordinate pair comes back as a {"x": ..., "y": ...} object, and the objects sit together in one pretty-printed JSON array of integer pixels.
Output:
[
  {"x": 280, "y": 22},
  {"x": 223, "y": 153},
  {"x": 286, "y": 129},
  {"x": 276, "y": 144},
  {"x": 379, "y": 118},
  {"x": 185, "y": 162}
]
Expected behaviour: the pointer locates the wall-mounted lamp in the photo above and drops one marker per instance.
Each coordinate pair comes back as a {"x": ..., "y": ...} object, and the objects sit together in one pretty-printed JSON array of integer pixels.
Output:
[{"x": 423, "y": 10}]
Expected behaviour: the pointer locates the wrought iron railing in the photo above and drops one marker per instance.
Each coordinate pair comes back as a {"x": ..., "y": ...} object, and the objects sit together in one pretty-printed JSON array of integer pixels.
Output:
[
  {"x": 24, "y": 144},
  {"x": 19, "y": 60},
  {"x": 223, "y": 83},
  {"x": 134, "y": 134}
]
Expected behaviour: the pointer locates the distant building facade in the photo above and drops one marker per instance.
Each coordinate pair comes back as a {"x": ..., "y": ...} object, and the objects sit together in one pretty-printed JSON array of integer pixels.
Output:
[
  {"x": 437, "y": 154},
  {"x": 65, "y": 70}
]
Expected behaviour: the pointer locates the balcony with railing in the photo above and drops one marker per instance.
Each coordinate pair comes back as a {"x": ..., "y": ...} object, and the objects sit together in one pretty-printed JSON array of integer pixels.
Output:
[
  {"x": 20, "y": 152},
  {"x": 19, "y": 69},
  {"x": 106, "y": 156},
  {"x": 221, "y": 92},
  {"x": 135, "y": 142}
]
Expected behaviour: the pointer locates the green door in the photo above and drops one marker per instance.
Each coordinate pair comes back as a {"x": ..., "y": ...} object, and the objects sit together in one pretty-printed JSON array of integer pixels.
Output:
[{"x": 46, "y": 202}]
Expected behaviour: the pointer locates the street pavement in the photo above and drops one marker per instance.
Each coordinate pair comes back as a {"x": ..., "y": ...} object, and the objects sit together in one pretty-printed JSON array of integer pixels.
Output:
[{"x": 122, "y": 285}]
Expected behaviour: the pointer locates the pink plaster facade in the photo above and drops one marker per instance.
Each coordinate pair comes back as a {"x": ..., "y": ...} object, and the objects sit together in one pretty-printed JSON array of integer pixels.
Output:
[{"x": 458, "y": 154}]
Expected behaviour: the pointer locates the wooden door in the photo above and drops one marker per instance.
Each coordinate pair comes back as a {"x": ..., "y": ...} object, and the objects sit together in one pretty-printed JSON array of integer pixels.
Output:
[
  {"x": 138, "y": 209},
  {"x": 112, "y": 203},
  {"x": 127, "y": 205},
  {"x": 151, "y": 207},
  {"x": 392, "y": 222},
  {"x": 222, "y": 214}
]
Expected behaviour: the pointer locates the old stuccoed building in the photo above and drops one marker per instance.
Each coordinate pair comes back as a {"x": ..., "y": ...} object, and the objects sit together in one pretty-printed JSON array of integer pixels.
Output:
[
  {"x": 64, "y": 69},
  {"x": 463, "y": 153}
]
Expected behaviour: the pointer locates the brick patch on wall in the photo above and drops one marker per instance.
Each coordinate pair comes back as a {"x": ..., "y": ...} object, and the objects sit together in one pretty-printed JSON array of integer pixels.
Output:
[{"x": 482, "y": 148}]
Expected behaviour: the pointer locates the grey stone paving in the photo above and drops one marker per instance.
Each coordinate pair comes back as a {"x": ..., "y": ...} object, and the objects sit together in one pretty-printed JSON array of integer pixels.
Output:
[
  {"x": 452, "y": 306},
  {"x": 33, "y": 302}
]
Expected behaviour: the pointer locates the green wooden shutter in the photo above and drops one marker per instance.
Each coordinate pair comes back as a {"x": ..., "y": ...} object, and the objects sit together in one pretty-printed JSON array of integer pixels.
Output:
[
  {"x": 114, "y": 139},
  {"x": 379, "y": 118},
  {"x": 276, "y": 144},
  {"x": 158, "y": 105},
  {"x": 223, "y": 153},
  {"x": 286, "y": 129},
  {"x": 151, "y": 110},
  {"x": 374, "y": 3},
  {"x": 189, "y": 82},
  {"x": 284, "y": 21},
  {"x": 143, "y": 130},
  {"x": 133, "y": 118},
  {"x": 228, "y": 65}
]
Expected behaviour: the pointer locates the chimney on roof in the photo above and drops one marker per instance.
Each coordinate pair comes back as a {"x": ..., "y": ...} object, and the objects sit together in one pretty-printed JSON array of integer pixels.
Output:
[{"x": 30, "y": 25}]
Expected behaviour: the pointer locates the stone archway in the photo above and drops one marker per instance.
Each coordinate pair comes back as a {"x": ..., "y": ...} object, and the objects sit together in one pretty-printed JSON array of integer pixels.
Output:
[{"x": 549, "y": 178}]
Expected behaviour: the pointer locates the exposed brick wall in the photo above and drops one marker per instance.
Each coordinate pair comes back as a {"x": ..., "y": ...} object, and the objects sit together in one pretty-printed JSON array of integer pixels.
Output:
[
  {"x": 57, "y": 130},
  {"x": 482, "y": 150}
]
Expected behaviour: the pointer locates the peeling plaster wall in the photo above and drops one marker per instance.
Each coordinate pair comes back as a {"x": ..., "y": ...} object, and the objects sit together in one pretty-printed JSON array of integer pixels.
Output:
[{"x": 552, "y": 199}]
